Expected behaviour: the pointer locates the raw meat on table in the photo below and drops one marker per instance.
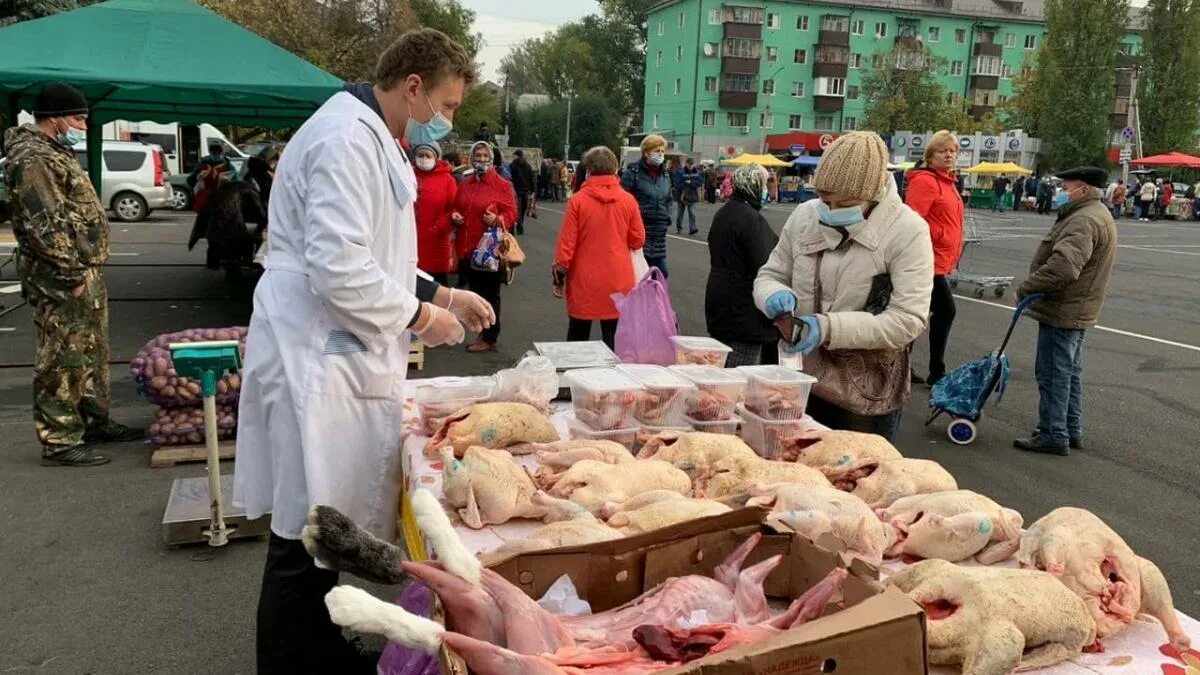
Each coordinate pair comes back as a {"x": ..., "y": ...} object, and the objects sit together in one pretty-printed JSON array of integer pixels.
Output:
[
  {"x": 732, "y": 475},
  {"x": 881, "y": 482},
  {"x": 492, "y": 425},
  {"x": 814, "y": 510},
  {"x": 567, "y": 524},
  {"x": 563, "y": 454},
  {"x": 694, "y": 453},
  {"x": 590, "y": 483},
  {"x": 488, "y": 487},
  {"x": 1091, "y": 559},
  {"x": 828, "y": 447},
  {"x": 953, "y": 525},
  {"x": 663, "y": 513},
  {"x": 992, "y": 620},
  {"x": 711, "y": 404},
  {"x": 605, "y": 410},
  {"x": 661, "y": 406}
]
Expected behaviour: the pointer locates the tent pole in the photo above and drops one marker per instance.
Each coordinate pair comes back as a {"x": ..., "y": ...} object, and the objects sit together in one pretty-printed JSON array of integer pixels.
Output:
[
  {"x": 95, "y": 145},
  {"x": 11, "y": 111}
]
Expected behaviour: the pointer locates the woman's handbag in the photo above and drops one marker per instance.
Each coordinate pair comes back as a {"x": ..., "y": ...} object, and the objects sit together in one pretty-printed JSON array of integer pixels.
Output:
[
  {"x": 511, "y": 256},
  {"x": 862, "y": 381}
]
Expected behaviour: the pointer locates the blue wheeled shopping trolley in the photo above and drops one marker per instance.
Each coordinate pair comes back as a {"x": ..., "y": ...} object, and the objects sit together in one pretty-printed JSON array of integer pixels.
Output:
[{"x": 965, "y": 390}]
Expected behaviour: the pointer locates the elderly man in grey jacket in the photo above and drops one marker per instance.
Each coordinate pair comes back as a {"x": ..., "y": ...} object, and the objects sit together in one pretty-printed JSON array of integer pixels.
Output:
[{"x": 1071, "y": 268}]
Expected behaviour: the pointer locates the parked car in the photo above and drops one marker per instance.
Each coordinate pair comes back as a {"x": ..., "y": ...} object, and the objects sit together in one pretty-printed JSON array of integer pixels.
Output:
[{"x": 134, "y": 181}]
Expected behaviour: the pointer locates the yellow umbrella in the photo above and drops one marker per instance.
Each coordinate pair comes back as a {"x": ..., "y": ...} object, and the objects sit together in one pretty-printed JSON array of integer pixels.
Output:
[
  {"x": 761, "y": 160},
  {"x": 993, "y": 168}
]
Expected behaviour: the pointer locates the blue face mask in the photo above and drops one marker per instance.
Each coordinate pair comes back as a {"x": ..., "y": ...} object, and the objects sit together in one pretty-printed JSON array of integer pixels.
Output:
[
  {"x": 1061, "y": 199},
  {"x": 844, "y": 217},
  {"x": 72, "y": 137},
  {"x": 765, "y": 197},
  {"x": 656, "y": 158},
  {"x": 421, "y": 133}
]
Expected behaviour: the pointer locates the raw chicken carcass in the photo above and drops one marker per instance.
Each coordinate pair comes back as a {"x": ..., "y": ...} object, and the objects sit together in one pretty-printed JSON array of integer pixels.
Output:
[
  {"x": 952, "y": 526},
  {"x": 634, "y": 503},
  {"x": 492, "y": 425},
  {"x": 567, "y": 524},
  {"x": 1096, "y": 563},
  {"x": 813, "y": 511},
  {"x": 828, "y": 447},
  {"x": 590, "y": 483},
  {"x": 881, "y": 482},
  {"x": 695, "y": 453},
  {"x": 992, "y": 620},
  {"x": 488, "y": 487},
  {"x": 563, "y": 454},
  {"x": 660, "y": 514},
  {"x": 732, "y": 475}
]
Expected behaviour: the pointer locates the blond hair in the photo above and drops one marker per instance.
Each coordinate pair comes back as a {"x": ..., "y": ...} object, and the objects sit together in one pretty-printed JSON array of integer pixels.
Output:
[
  {"x": 427, "y": 52},
  {"x": 600, "y": 161},
  {"x": 938, "y": 141},
  {"x": 653, "y": 141}
]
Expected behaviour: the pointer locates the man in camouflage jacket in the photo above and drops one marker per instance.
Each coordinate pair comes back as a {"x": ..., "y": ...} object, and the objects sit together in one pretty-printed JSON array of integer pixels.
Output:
[{"x": 62, "y": 242}]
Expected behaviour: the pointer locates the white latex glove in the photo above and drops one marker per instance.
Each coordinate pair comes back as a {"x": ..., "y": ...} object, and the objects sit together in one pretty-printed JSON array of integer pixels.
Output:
[
  {"x": 439, "y": 327},
  {"x": 473, "y": 311}
]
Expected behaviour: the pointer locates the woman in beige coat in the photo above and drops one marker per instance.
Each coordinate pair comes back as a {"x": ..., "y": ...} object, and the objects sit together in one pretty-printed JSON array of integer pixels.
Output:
[{"x": 862, "y": 238}]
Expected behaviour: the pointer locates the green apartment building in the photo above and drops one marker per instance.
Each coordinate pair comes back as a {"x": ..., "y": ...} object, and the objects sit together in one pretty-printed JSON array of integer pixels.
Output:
[{"x": 723, "y": 76}]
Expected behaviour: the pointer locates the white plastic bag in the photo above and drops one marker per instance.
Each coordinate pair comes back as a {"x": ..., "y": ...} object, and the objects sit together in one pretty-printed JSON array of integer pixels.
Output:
[
  {"x": 533, "y": 381},
  {"x": 563, "y": 599},
  {"x": 640, "y": 267}
]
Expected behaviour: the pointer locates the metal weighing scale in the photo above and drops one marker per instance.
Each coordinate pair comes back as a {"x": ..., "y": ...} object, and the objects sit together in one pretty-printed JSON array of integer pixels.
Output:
[{"x": 196, "y": 512}]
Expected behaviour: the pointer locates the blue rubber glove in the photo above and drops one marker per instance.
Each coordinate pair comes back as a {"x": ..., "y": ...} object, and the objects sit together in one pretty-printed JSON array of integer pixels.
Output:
[
  {"x": 812, "y": 337},
  {"x": 779, "y": 303}
]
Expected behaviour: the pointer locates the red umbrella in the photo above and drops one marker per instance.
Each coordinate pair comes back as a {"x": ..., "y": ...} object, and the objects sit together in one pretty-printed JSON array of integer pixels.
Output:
[{"x": 1169, "y": 159}]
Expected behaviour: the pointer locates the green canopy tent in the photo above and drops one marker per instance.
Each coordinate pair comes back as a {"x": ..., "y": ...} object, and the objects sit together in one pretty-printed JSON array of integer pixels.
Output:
[{"x": 158, "y": 60}]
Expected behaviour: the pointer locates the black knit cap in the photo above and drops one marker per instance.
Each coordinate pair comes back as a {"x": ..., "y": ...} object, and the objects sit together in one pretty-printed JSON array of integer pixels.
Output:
[{"x": 57, "y": 99}]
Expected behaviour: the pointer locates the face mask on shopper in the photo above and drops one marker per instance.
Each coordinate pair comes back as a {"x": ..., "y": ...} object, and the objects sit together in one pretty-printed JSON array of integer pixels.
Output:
[
  {"x": 481, "y": 168},
  {"x": 426, "y": 163},
  {"x": 656, "y": 158},
  {"x": 844, "y": 217}
]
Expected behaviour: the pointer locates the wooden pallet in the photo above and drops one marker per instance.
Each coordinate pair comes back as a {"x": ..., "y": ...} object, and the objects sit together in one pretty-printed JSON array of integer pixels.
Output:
[
  {"x": 170, "y": 455},
  {"x": 416, "y": 355}
]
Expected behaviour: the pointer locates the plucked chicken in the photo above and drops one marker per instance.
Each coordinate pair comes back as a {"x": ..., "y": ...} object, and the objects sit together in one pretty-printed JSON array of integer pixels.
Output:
[
  {"x": 953, "y": 525},
  {"x": 827, "y": 447},
  {"x": 694, "y": 453},
  {"x": 732, "y": 475},
  {"x": 567, "y": 524},
  {"x": 492, "y": 425},
  {"x": 814, "y": 511},
  {"x": 881, "y": 482},
  {"x": 663, "y": 513},
  {"x": 590, "y": 483},
  {"x": 488, "y": 487}
]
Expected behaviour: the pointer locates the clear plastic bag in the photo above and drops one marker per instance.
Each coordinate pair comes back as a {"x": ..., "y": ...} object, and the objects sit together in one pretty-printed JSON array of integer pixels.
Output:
[
  {"x": 647, "y": 322},
  {"x": 154, "y": 372},
  {"x": 533, "y": 381},
  {"x": 562, "y": 599},
  {"x": 185, "y": 426}
]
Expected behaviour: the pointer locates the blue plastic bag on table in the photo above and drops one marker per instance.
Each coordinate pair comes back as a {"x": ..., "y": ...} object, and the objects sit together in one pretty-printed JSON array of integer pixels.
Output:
[{"x": 647, "y": 322}]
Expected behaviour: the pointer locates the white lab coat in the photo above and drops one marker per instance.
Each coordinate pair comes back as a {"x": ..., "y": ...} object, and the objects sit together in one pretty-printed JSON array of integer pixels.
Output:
[{"x": 320, "y": 418}]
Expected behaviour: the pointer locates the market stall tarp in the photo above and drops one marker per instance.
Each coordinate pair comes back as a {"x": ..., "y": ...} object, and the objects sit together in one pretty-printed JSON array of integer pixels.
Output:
[
  {"x": 161, "y": 60},
  {"x": 1173, "y": 159},
  {"x": 769, "y": 161},
  {"x": 806, "y": 161},
  {"x": 994, "y": 168}
]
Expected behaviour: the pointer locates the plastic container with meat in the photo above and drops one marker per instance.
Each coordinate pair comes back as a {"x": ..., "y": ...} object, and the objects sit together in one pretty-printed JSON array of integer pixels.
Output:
[
  {"x": 580, "y": 431},
  {"x": 664, "y": 397},
  {"x": 763, "y": 435},
  {"x": 728, "y": 425},
  {"x": 718, "y": 391},
  {"x": 603, "y": 398},
  {"x": 777, "y": 393},
  {"x": 443, "y": 397},
  {"x": 700, "y": 350}
]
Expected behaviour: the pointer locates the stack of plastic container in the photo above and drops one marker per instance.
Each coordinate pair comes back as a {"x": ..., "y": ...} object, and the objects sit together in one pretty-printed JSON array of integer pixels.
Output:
[
  {"x": 662, "y": 403},
  {"x": 718, "y": 393},
  {"x": 700, "y": 350},
  {"x": 443, "y": 397},
  {"x": 604, "y": 400},
  {"x": 775, "y": 401}
]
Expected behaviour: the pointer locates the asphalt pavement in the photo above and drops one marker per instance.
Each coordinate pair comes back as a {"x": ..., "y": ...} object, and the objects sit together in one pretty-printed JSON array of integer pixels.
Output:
[{"x": 89, "y": 587}]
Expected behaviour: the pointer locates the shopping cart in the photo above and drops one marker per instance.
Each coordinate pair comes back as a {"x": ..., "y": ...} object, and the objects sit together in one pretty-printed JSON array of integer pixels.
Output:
[
  {"x": 964, "y": 391},
  {"x": 979, "y": 285}
]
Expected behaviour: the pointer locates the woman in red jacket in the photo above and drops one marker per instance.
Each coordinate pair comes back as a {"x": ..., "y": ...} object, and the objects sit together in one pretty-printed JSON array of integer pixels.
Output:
[
  {"x": 484, "y": 201},
  {"x": 436, "y": 189},
  {"x": 933, "y": 193},
  {"x": 602, "y": 227}
]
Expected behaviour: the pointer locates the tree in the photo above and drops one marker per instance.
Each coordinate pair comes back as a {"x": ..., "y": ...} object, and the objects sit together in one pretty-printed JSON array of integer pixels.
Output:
[
  {"x": 13, "y": 11},
  {"x": 451, "y": 18},
  {"x": 479, "y": 105},
  {"x": 1025, "y": 109},
  {"x": 518, "y": 68},
  {"x": 1078, "y": 78},
  {"x": 1170, "y": 76},
  {"x": 594, "y": 121},
  {"x": 902, "y": 93}
]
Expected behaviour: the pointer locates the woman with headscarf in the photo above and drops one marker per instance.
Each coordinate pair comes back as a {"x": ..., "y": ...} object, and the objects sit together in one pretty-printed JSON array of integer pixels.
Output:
[
  {"x": 650, "y": 184},
  {"x": 436, "y": 189},
  {"x": 592, "y": 259},
  {"x": 853, "y": 271},
  {"x": 739, "y": 243},
  {"x": 484, "y": 201}
]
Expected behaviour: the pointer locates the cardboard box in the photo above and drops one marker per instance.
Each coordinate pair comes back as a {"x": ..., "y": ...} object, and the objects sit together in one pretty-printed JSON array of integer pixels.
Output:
[{"x": 873, "y": 631}]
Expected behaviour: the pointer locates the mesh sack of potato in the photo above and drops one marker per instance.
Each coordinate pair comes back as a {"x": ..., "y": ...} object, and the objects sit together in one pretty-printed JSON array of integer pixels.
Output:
[
  {"x": 185, "y": 426},
  {"x": 155, "y": 375}
]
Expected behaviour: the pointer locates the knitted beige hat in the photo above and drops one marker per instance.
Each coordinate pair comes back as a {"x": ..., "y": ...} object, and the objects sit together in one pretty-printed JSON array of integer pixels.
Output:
[{"x": 855, "y": 165}]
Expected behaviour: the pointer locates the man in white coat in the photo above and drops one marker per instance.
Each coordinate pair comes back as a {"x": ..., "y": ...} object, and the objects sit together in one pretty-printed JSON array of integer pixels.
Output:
[{"x": 320, "y": 418}]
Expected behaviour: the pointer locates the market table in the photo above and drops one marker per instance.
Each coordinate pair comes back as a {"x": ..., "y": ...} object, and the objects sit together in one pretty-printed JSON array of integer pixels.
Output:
[{"x": 1135, "y": 651}]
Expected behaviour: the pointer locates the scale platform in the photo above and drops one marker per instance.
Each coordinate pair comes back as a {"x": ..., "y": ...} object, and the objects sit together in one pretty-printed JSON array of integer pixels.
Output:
[{"x": 188, "y": 513}]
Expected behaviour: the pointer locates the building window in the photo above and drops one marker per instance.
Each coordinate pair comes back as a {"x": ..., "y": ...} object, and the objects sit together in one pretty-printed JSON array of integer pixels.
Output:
[
  {"x": 714, "y": 19},
  {"x": 710, "y": 83},
  {"x": 986, "y": 65},
  {"x": 935, "y": 34},
  {"x": 678, "y": 85},
  {"x": 654, "y": 124},
  {"x": 852, "y": 92},
  {"x": 1010, "y": 40},
  {"x": 956, "y": 68},
  {"x": 987, "y": 37},
  {"x": 766, "y": 120},
  {"x": 795, "y": 122},
  {"x": 768, "y": 87},
  {"x": 880, "y": 30},
  {"x": 1030, "y": 42},
  {"x": 1006, "y": 71},
  {"x": 711, "y": 48},
  {"x": 835, "y": 24},
  {"x": 738, "y": 82},
  {"x": 658, "y": 59},
  {"x": 855, "y": 60},
  {"x": 985, "y": 98},
  {"x": 708, "y": 118},
  {"x": 823, "y": 122},
  {"x": 849, "y": 124},
  {"x": 831, "y": 54},
  {"x": 802, "y": 23},
  {"x": 856, "y": 28},
  {"x": 658, "y": 88},
  {"x": 798, "y": 89},
  {"x": 753, "y": 15},
  {"x": 772, "y": 54},
  {"x": 682, "y": 19},
  {"x": 960, "y": 36},
  {"x": 772, "y": 20},
  {"x": 660, "y": 32},
  {"x": 829, "y": 86},
  {"x": 743, "y": 48},
  {"x": 801, "y": 56},
  {"x": 678, "y": 53},
  {"x": 737, "y": 119}
]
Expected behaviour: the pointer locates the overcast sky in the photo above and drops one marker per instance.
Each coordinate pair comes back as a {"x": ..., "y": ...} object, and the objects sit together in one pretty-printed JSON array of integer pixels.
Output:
[{"x": 505, "y": 23}]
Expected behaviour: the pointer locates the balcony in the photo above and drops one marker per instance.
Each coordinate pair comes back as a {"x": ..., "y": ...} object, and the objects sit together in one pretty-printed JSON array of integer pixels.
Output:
[
  {"x": 826, "y": 104},
  {"x": 835, "y": 38},
  {"x": 908, "y": 35},
  {"x": 733, "y": 64},
  {"x": 744, "y": 30},
  {"x": 980, "y": 111},
  {"x": 988, "y": 49},
  {"x": 831, "y": 61},
  {"x": 737, "y": 99},
  {"x": 990, "y": 82},
  {"x": 1119, "y": 114}
]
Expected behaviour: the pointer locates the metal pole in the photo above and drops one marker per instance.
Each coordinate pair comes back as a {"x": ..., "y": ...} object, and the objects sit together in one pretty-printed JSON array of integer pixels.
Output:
[
  {"x": 567, "y": 144},
  {"x": 1129, "y": 122},
  {"x": 217, "y": 534},
  {"x": 506, "y": 106}
]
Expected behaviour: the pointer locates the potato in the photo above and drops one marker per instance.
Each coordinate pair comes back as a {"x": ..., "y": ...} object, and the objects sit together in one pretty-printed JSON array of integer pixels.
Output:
[
  {"x": 235, "y": 382},
  {"x": 172, "y": 440},
  {"x": 193, "y": 387},
  {"x": 222, "y": 387},
  {"x": 167, "y": 428},
  {"x": 161, "y": 365},
  {"x": 158, "y": 382},
  {"x": 194, "y": 437},
  {"x": 168, "y": 391},
  {"x": 171, "y": 372},
  {"x": 184, "y": 395}
]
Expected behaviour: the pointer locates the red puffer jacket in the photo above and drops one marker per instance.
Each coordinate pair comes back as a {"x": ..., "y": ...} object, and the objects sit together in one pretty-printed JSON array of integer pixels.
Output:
[
  {"x": 477, "y": 196},
  {"x": 933, "y": 194},
  {"x": 436, "y": 190}
]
